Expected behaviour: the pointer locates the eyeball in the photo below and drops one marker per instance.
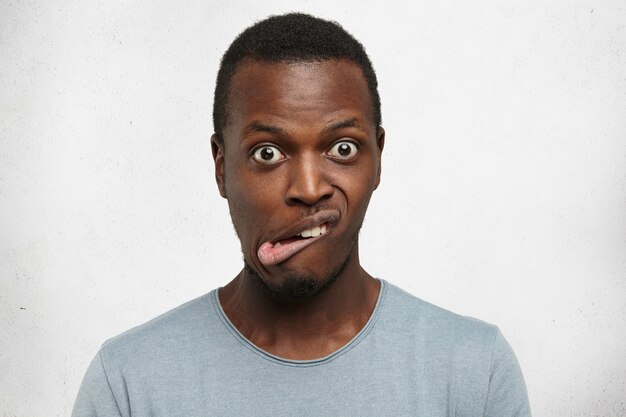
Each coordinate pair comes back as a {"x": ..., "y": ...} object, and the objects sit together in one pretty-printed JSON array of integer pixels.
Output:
[
  {"x": 267, "y": 154},
  {"x": 344, "y": 150}
]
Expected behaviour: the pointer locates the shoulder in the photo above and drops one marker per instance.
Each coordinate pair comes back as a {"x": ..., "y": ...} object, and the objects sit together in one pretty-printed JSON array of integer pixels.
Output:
[
  {"x": 170, "y": 331},
  {"x": 410, "y": 314},
  {"x": 126, "y": 365},
  {"x": 471, "y": 356},
  {"x": 444, "y": 340}
]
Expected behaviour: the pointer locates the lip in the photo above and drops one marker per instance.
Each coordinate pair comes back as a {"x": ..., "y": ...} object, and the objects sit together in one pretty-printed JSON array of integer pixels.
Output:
[
  {"x": 328, "y": 217},
  {"x": 269, "y": 254}
]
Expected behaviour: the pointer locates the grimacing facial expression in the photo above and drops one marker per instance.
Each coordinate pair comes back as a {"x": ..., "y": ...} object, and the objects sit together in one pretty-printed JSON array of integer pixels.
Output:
[{"x": 299, "y": 161}]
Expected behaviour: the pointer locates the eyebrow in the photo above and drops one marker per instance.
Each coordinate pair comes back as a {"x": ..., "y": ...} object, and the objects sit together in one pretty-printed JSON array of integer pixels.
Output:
[
  {"x": 343, "y": 124},
  {"x": 262, "y": 127}
]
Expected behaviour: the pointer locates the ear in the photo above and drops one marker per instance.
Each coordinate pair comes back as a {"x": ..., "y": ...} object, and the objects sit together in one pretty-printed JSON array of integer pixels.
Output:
[
  {"x": 217, "y": 148},
  {"x": 380, "y": 142}
]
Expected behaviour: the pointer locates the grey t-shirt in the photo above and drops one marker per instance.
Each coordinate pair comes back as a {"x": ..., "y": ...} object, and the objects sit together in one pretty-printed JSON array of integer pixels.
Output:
[{"x": 410, "y": 359}]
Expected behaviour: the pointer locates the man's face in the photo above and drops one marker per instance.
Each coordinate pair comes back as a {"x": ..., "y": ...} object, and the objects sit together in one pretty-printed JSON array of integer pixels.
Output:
[{"x": 299, "y": 161}]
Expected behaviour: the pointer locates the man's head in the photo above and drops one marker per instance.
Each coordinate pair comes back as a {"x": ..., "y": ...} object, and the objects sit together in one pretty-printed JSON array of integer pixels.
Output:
[
  {"x": 293, "y": 37},
  {"x": 297, "y": 151}
]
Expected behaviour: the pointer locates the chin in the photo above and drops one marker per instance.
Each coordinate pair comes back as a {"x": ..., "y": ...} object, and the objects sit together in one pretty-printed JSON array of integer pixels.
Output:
[{"x": 295, "y": 286}]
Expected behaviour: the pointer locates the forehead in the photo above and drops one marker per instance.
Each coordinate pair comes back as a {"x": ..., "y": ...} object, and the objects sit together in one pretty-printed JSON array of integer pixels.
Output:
[{"x": 303, "y": 93}]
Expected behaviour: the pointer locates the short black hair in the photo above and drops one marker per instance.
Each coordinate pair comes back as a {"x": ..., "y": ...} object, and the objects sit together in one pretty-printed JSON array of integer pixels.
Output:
[{"x": 292, "y": 37}]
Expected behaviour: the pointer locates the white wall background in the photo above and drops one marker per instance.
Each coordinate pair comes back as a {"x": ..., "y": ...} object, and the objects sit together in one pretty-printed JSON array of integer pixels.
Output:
[{"x": 503, "y": 193}]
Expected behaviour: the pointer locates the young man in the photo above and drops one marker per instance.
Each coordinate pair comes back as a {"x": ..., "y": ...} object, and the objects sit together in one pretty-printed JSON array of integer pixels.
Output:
[{"x": 303, "y": 329}]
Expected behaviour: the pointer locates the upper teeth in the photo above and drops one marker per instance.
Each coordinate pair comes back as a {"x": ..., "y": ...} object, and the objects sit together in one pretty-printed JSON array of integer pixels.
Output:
[{"x": 314, "y": 232}]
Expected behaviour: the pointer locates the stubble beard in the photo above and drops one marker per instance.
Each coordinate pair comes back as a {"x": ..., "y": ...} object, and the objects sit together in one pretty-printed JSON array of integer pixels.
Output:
[{"x": 296, "y": 287}]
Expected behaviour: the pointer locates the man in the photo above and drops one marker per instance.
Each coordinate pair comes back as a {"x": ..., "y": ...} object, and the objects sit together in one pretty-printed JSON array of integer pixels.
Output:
[{"x": 303, "y": 329}]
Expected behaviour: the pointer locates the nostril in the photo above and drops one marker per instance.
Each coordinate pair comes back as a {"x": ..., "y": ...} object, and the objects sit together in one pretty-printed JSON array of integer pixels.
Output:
[{"x": 309, "y": 197}]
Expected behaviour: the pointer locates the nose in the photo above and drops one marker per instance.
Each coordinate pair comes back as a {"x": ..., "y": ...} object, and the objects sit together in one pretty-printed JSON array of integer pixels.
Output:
[{"x": 308, "y": 181}]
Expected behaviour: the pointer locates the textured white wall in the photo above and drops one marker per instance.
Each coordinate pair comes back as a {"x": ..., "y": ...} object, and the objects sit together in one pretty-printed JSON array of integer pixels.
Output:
[{"x": 503, "y": 193}]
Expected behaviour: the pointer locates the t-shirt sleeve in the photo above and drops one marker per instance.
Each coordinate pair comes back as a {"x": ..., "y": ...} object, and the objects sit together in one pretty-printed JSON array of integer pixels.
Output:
[
  {"x": 95, "y": 398},
  {"x": 507, "y": 396}
]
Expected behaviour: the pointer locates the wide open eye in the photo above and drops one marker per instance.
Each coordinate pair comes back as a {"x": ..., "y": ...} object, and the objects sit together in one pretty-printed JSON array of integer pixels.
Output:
[
  {"x": 344, "y": 150},
  {"x": 268, "y": 154}
]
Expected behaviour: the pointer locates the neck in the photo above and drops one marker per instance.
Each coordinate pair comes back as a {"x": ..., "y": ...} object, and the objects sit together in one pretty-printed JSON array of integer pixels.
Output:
[{"x": 306, "y": 328}]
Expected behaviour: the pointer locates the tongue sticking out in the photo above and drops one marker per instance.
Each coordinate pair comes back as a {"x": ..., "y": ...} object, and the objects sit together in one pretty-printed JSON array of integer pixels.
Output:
[{"x": 275, "y": 253}]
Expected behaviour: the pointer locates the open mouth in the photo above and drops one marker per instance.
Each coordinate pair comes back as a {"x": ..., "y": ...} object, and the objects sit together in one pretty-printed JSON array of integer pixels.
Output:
[
  {"x": 272, "y": 253},
  {"x": 305, "y": 234}
]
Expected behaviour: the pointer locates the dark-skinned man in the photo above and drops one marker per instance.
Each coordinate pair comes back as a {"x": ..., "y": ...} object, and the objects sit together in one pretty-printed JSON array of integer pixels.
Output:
[{"x": 303, "y": 329}]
